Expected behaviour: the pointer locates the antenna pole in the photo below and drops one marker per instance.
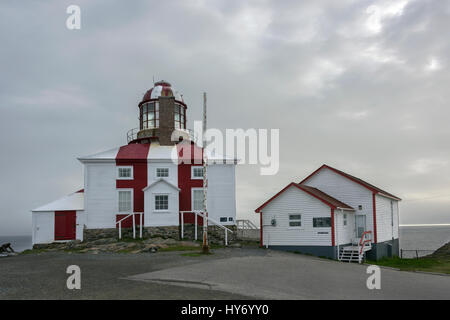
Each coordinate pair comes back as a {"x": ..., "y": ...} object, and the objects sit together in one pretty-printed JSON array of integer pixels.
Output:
[{"x": 205, "y": 181}]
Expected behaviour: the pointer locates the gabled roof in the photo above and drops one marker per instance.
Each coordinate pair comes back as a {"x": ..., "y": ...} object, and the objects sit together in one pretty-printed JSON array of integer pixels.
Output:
[
  {"x": 74, "y": 201},
  {"x": 316, "y": 193},
  {"x": 365, "y": 184},
  {"x": 161, "y": 180}
]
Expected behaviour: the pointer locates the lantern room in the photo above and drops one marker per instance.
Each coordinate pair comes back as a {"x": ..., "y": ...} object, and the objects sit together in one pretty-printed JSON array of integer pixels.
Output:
[{"x": 162, "y": 116}]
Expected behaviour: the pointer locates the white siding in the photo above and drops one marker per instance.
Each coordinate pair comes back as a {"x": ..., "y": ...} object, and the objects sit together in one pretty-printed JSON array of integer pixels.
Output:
[
  {"x": 385, "y": 231},
  {"x": 43, "y": 227},
  {"x": 157, "y": 218},
  {"x": 100, "y": 195},
  {"x": 222, "y": 192},
  {"x": 173, "y": 172},
  {"x": 295, "y": 201},
  {"x": 346, "y": 191},
  {"x": 81, "y": 221}
]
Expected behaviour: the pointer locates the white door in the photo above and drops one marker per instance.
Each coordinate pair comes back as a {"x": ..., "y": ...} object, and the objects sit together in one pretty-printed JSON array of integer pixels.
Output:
[{"x": 360, "y": 225}]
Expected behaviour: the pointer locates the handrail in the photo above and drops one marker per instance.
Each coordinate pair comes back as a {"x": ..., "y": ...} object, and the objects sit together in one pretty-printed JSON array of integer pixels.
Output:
[
  {"x": 134, "y": 224},
  {"x": 199, "y": 213},
  {"x": 246, "y": 224},
  {"x": 363, "y": 241},
  {"x": 132, "y": 134},
  {"x": 364, "y": 235}
]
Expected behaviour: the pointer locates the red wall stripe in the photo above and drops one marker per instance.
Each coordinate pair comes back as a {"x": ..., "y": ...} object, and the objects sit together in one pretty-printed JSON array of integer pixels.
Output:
[
  {"x": 187, "y": 154},
  {"x": 134, "y": 155}
]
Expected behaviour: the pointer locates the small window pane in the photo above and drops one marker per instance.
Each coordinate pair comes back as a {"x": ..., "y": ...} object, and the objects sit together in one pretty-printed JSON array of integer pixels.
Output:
[
  {"x": 162, "y": 172},
  {"x": 161, "y": 202},
  {"x": 197, "y": 196},
  {"x": 124, "y": 201},
  {"x": 124, "y": 172},
  {"x": 197, "y": 172},
  {"x": 295, "y": 220},
  {"x": 223, "y": 219},
  {"x": 321, "y": 222}
]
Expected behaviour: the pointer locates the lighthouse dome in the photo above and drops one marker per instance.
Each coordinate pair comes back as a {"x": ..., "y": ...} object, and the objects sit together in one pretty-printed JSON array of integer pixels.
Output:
[{"x": 162, "y": 89}]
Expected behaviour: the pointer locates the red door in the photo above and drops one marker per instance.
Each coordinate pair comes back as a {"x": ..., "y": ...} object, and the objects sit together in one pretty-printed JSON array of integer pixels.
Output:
[{"x": 65, "y": 225}]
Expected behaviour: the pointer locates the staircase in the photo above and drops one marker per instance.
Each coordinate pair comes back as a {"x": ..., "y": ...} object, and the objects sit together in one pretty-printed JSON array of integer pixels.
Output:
[
  {"x": 247, "y": 230},
  {"x": 356, "y": 252}
]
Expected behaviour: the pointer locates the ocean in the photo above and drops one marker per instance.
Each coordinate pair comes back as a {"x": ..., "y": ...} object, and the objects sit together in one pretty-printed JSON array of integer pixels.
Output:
[{"x": 424, "y": 238}]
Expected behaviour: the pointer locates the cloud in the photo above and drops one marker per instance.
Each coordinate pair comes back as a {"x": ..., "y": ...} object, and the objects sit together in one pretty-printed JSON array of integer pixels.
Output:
[{"x": 363, "y": 90}]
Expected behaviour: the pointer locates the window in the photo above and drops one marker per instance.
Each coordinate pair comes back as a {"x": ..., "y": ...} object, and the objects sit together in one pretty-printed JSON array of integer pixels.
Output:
[
  {"x": 345, "y": 219},
  {"x": 125, "y": 201},
  {"x": 150, "y": 115},
  {"x": 360, "y": 207},
  {"x": 321, "y": 222},
  {"x": 197, "y": 199},
  {"x": 230, "y": 219},
  {"x": 161, "y": 202},
  {"x": 179, "y": 117},
  {"x": 197, "y": 172},
  {"x": 125, "y": 173},
  {"x": 162, "y": 172},
  {"x": 223, "y": 219},
  {"x": 295, "y": 220}
]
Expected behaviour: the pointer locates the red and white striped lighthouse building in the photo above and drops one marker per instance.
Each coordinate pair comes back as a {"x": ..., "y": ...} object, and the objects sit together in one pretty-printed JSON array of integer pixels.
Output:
[{"x": 153, "y": 178}]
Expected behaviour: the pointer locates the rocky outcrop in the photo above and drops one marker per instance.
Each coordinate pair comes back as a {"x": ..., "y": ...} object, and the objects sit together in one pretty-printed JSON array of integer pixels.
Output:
[{"x": 125, "y": 245}]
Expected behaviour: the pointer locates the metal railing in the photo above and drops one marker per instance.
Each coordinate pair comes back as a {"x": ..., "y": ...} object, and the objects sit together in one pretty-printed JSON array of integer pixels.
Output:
[
  {"x": 365, "y": 242},
  {"x": 245, "y": 224},
  {"x": 132, "y": 134},
  {"x": 208, "y": 219},
  {"x": 134, "y": 224}
]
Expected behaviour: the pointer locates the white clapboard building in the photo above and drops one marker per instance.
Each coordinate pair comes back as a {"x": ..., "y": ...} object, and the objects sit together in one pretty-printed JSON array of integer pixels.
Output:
[
  {"x": 332, "y": 214},
  {"x": 153, "y": 178}
]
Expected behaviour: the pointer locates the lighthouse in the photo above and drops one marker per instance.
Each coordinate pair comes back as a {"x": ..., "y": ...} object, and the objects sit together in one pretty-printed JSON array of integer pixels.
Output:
[
  {"x": 162, "y": 117},
  {"x": 140, "y": 184}
]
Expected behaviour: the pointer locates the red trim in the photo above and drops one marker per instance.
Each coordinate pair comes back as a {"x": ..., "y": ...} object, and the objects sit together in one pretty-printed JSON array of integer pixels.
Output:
[
  {"x": 374, "y": 218},
  {"x": 332, "y": 227},
  {"x": 134, "y": 155},
  {"x": 187, "y": 153},
  {"x": 299, "y": 187},
  {"x": 80, "y": 191},
  {"x": 345, "y": 175},
  {"x": 261, "y": 229}
]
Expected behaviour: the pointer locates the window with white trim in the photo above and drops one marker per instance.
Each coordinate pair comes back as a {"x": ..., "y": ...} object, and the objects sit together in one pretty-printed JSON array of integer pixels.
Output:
[
  {"x": 162, "y": 172},
  {"x": 223, "y": 219},
  {"x": 322, "y": 222},
  {"x": 125, "y": 173},
  {"x": 161, "y": 202},
  {"x": 197, "y": 172},
  {"x": 197, "y": 199},
  {"x": 125, "y": 200},
  {"x": 295, "y": 220},
  {"x": 345, "y": 219}
]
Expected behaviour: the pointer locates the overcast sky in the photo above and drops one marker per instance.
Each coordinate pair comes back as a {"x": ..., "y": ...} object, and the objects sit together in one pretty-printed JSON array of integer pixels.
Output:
[{"x": 359, "y": 85}]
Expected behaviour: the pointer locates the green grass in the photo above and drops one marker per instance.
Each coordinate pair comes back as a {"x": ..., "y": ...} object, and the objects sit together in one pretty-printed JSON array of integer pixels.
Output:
[
  {"x": 179, "y": 248},
  {"x": 422, "y": 264},
  {"x": 33, "y": 251}
]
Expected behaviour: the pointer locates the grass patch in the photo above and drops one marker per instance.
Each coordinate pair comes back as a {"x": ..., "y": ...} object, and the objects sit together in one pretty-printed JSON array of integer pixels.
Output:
[
  {"x": 422, "y": 264},
  {"x": 179, "y": 248},
  {"x": 33, "y": 251}
]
